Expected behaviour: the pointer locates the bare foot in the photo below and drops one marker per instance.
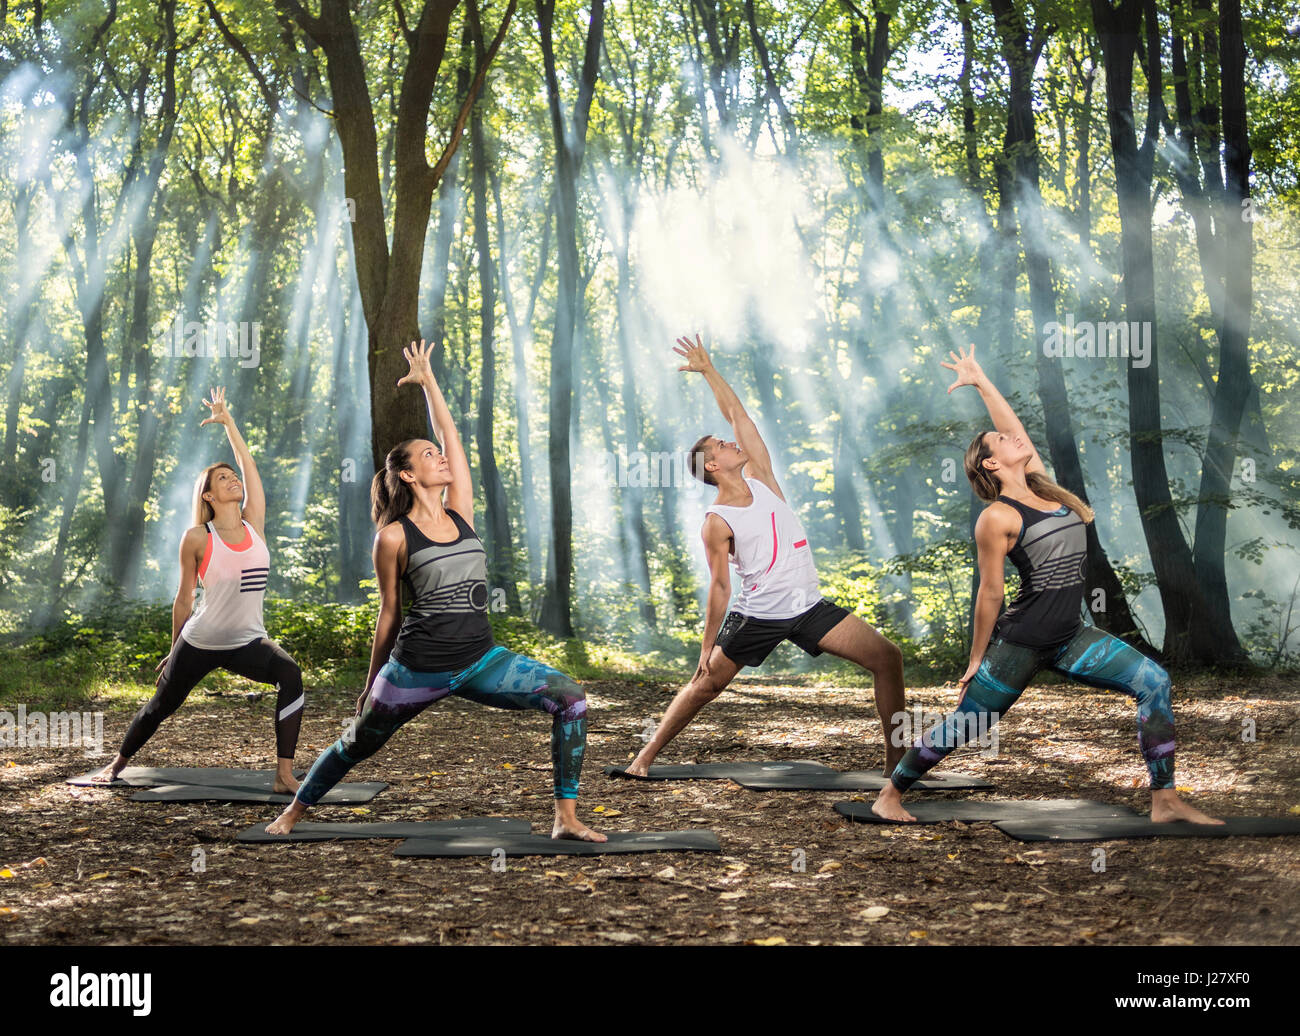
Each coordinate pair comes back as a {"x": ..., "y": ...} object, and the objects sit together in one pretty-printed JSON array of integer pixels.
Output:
[
  {"x": 284, "y": 823},
  {"x": 567, "y": 824},
  {"x": 285, "y": 783},
  {"x": 109, "y": 773},
  {"x": 1167, "y": 807},
  {"x": 889, "y": 806},
  {"x": 575, "y": 829}
]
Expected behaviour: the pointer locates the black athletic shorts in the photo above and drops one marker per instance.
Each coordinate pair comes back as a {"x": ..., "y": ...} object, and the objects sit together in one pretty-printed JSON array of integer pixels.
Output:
[{"x": 748, "y": 641}]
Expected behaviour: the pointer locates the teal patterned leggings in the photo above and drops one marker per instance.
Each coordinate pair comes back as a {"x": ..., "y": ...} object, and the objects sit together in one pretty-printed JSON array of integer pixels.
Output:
[
  {"x": 1091, "y": 657},
  {"x": 500, "y": 678}
]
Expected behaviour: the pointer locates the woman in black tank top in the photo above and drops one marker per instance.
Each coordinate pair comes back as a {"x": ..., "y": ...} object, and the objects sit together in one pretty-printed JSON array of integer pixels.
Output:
[
  {"x": 423, "y": 506},
  {"x": 1041, "y": 527}
]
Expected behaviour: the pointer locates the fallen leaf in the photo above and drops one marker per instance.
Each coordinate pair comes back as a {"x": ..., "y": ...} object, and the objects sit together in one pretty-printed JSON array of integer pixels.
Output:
[
  {"x": 829, "y": 865},
  {"x": 248, "y": 920},
  {"x": 96, "y": 877},
  {"x": 874, "y": 913},
  {"x": 991, "y": 906},
  {"x": 667, "y": 872},
  {"x": 605, "y": 811},
  {"x": 360, "y": 810},
  {"x": 6, "y": 873},
  {"x": 739, "y": 894},
  {"x": 775, "y": 940},
  {"x": 918, "y": 933}
]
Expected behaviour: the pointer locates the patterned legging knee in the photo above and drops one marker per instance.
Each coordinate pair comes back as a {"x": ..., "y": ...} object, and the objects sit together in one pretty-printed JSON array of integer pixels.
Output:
[
  {"x": 1091, "y": 657},
  {"x": 500, "y": 678}
]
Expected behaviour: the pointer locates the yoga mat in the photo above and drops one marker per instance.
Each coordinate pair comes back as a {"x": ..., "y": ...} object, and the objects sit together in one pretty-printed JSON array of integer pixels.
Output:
[
  {"x": 339, "y": 795},
  {"x": 1099, "y": 829},
  {"x": 207, "y": 776},
  {"x": 856, "y": 780},
  {"x": 323, "y": 832},
  {"x": 968, "y": 811},
  {"x": 543, "y": 845},
  {"x": 721, "y": 771}
]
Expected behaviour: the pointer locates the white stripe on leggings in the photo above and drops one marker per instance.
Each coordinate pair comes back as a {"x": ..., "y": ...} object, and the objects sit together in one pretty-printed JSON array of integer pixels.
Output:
[{"x": 288, "y": 710}]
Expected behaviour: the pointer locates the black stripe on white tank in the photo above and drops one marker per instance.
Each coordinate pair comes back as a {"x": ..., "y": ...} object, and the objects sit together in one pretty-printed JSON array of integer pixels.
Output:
[{"x": 252, "y": 579}]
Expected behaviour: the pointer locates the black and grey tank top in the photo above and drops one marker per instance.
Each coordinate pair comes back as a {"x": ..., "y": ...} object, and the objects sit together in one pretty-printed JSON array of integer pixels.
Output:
[
  {"x": 446, "y": 627},
  {"x": 1051, "y": 556}
]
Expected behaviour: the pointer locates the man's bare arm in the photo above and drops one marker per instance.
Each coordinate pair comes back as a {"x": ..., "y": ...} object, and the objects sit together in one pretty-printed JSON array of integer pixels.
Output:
[
  {"x": 716, "y": 535},
  {"x": 733, "y": 411}
]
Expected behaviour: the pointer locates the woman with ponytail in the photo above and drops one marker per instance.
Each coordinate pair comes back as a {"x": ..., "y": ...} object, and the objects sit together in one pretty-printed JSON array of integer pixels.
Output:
[
  {"x": 226, "y": 552},
  {"x": 422, "y": 504},
  {"x": 1041, "y": 528}
]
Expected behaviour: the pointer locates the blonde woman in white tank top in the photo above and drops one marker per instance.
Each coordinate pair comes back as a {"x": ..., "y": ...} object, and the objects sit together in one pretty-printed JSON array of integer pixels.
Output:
[
  {"x": 224, "y": 551},
  {"x": 752, "y": 529}
]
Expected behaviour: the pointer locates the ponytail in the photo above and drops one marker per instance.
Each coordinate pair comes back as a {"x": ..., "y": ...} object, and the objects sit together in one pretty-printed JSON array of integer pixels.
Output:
[
  {"x": 988, "y": 487},
  {"x": 390, "y": 496}
]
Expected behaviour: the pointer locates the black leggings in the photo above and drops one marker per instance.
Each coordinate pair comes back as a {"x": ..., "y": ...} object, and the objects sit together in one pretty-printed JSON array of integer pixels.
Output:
[{"x": 261, "y": 660}]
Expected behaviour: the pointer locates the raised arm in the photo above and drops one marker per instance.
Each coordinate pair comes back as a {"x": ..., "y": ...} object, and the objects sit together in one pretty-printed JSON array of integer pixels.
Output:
[
  {"x": 742, "y": 425},
  {"x": 460, "y": 494},
  {"x": 254, "y": 509},
  {"x": 1004, "y": 418}
]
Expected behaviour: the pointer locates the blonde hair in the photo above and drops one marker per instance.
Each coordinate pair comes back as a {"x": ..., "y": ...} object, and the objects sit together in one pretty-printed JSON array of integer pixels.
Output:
[
  {"x": 203, "y": 511},
  {"x": 988, "y": 486}
]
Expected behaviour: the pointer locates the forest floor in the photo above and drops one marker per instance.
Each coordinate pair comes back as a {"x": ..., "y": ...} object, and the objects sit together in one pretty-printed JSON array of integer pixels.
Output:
[{"x": 88, "y": 866}]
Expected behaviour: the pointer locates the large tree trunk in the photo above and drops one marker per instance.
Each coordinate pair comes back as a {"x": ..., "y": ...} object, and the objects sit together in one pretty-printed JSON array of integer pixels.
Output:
[
  {"x": 390, "y": 278},
  {"x": 1021, "y": 50},
  {"x": 569, "y": 143},
  {"x": 1187, "y": 635},
  {"x": 1234, "y": 381}
]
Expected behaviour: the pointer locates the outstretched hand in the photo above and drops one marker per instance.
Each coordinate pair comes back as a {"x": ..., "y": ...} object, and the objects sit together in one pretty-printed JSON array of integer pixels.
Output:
[
  {"x": 217, "y": 404},
  {"x": 968, "y": 371},
  {"x": 417, "y": 355},
  {"x": 697, "y": 359}
]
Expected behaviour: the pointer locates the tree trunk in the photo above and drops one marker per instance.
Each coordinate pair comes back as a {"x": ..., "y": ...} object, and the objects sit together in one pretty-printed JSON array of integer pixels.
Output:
[{"x": 569, "y": 143}]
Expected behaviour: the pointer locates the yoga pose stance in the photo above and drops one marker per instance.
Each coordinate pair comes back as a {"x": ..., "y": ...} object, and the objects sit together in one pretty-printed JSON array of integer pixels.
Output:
[
  {"x": 444, "y": 644},
  {"x": 1040, "y": 526},
  {"x": 225, "y": 550},
  {"x": 751, "y": 524}
]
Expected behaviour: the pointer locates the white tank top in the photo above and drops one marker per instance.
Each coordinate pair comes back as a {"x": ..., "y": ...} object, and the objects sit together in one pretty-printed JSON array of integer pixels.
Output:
[
  {"x": 229, "y": 614},
  {"x": 771, "y": 556}
]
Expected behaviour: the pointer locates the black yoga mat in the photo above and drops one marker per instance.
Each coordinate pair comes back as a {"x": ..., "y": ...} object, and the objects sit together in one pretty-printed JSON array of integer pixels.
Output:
[
  {"x": 323, "y": 832},
  {"x": 543, "y": 845},
  {"x": 721, "y": 771},
  {"x": 856, "y": 780},
  {"x": 206, "y": 776},
  {"x": 969, "y": 811},
  {"x": 1100, "y": 829},
  {"x": 339, "y": 795}
]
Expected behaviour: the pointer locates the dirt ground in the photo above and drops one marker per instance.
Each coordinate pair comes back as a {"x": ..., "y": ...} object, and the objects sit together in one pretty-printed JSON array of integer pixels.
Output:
[{"x": 88, "y": 866}]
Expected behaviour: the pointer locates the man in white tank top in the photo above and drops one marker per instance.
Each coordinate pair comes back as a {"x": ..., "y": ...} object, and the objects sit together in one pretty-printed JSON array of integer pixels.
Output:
[{"x": 751, "y": 528}]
